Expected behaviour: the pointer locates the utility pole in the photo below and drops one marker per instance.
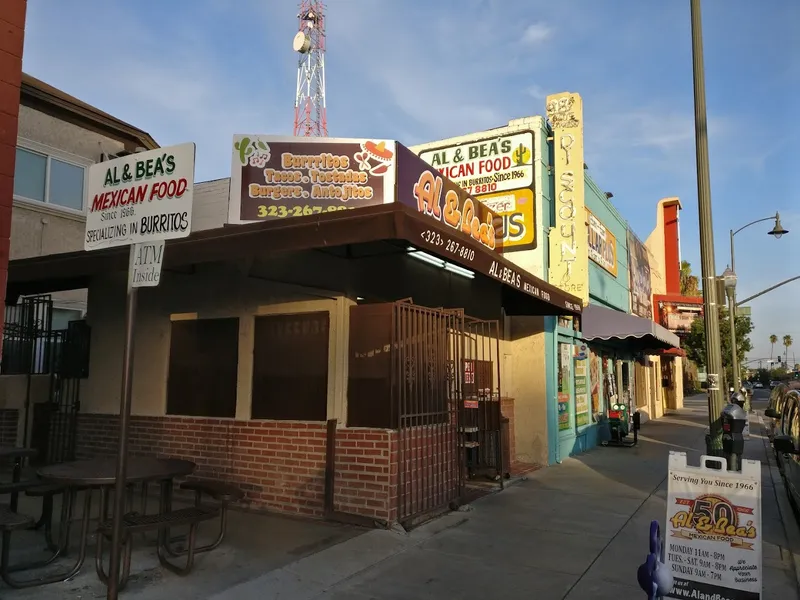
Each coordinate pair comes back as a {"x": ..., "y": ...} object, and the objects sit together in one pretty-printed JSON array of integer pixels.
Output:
[{"x": 716, "y": 399}]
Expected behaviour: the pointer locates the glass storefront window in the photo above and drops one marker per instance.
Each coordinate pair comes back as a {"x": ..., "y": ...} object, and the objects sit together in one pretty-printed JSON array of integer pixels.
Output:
[
  {"x": 595, "y": 373},
  {"x": 564, "y": 386}
]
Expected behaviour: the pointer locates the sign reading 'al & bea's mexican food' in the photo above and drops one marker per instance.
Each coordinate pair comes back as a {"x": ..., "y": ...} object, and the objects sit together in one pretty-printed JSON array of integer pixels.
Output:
[
  {"x": 485, "y": 166},
  {"x": 278, "y": 177},
  {"x": 141, "y": 197}
]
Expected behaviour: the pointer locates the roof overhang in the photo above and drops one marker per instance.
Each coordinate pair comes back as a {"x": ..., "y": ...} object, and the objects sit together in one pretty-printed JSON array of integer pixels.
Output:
[
  {"x": 522, "y": 292},
  {"x": 604, "y": 324},
  {"x": 42, "y": 96}
]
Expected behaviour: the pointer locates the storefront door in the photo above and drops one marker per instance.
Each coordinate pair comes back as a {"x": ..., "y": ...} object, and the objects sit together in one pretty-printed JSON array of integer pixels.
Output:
[{"x": 566, "y": 398}]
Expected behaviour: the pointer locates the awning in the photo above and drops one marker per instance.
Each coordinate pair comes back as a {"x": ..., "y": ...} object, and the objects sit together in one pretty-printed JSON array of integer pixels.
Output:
[
  {"x": 604, "y": 324},
  {"x": 522, "y": 292}
]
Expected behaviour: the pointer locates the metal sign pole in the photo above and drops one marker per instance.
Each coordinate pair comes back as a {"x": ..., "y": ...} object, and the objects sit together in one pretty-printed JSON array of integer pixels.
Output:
[{"x": 122, "y": 452}]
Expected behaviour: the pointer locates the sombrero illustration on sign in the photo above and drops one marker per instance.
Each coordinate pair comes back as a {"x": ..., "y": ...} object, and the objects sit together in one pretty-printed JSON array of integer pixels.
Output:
[{"x": 375, "y": 158}]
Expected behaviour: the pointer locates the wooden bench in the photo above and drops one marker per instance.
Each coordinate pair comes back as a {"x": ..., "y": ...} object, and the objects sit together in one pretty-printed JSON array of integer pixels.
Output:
[
  {"x": 137, "y": 523},
  {"x": 219, "y": 491}
]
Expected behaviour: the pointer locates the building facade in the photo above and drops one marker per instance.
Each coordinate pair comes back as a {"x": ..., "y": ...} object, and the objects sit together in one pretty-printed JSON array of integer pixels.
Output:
[
  {"x": 319, "y": 375},
  {"x": 58, "y": 138},
  {"x": 558, "y": 224}
]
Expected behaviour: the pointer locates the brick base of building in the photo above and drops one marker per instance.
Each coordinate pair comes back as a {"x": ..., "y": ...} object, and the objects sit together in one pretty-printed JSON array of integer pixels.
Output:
[
  {"x": 280, "y": 465},
  {"x": 9, "y": 420}
]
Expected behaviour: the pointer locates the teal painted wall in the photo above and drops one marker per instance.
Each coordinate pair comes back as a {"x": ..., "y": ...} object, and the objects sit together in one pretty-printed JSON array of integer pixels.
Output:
[{"x": 604, "y": 288}]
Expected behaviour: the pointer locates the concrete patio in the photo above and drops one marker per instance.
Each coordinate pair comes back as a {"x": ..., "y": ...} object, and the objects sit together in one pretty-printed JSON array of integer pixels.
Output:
[{"x": 255, "y": 544}]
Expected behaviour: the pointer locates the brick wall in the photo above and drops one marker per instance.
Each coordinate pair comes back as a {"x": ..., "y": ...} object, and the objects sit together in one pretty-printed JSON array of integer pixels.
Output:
[
  {"x": 280, "y": 465},
  {"x": 12, "y": 35},
  {"x": 9, "y": 418},
  {"x": 428, "y": 471}
]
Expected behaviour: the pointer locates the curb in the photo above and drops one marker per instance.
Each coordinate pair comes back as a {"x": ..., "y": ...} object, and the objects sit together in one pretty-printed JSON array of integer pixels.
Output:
[{"x": 790, "y": 525}]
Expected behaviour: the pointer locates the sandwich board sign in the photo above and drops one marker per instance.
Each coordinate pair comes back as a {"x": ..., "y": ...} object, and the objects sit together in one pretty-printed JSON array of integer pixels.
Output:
[
  {"x": 713, "y": 529},
  {"x": 140, "y": 200}
]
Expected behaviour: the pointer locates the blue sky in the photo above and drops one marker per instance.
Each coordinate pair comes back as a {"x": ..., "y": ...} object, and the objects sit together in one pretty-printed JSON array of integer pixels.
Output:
[{"x": 416, "y": 71}]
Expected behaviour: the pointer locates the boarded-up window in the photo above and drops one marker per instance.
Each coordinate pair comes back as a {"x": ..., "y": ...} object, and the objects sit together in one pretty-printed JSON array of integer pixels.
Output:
[
  {"x": 290, "y": 367},
  {"x": 369, "y": 384},
  {"x": 203, "y": 366}
]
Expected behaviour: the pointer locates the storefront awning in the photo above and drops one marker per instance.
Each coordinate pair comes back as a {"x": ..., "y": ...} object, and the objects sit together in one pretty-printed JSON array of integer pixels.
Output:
[
  {"x": 604, "y": 324},
  {"x": 522, "y": 292}
]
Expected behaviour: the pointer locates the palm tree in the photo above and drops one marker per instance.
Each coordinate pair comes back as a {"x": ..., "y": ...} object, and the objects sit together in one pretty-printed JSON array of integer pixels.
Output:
[
  {"x": 787, "y": 341},
  {"x": 690, "y": 285},
  {"x": 773, "y": 339}
]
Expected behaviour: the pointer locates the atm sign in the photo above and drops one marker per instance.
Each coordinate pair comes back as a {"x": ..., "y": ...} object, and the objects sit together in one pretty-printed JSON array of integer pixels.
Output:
[{"x": 515, "y": 221}]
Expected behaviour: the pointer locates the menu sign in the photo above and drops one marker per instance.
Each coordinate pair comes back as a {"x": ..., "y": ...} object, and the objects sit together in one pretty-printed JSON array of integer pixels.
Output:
[
  {"x": 279, "y": 177},
  {"x": 602, "y": 245},
  {"x": 713, "y": 529},
  {"x": 581, "y": 393},
  {"x": 495, "y": 164}
]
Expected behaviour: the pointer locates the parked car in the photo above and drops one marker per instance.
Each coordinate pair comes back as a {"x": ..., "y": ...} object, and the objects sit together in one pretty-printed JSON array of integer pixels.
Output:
[
  {"x": 787, "y": 445},
  {"x": 774, "y": 410},
  {"x": 772, "y": 384}
]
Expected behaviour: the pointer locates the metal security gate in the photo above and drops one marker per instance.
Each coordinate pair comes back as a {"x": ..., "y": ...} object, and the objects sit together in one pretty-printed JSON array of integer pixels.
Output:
[
  {"x": 427, "y": 345},
  {"x": 71, "y": 364},
  {"x": 481, "y": 417},
  {"x": 32, "y": 348}
]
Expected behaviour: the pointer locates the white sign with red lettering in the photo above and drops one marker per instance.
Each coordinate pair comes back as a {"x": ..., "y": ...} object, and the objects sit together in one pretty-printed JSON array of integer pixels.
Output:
[
  {"x": 497, "y": 164},
  {"x": 141, "y": 197}
]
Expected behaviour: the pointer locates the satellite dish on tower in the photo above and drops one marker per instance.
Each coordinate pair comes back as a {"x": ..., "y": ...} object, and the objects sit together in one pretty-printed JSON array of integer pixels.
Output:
[{"x": 301, "y": 43}]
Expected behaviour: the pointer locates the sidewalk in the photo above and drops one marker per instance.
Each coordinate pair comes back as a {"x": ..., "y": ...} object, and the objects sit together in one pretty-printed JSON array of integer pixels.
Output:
[{"x": 574, "y": 531}]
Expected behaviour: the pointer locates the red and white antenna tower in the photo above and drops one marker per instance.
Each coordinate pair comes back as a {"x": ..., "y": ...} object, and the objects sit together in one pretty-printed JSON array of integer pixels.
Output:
[{"x": 309, "y": 103}]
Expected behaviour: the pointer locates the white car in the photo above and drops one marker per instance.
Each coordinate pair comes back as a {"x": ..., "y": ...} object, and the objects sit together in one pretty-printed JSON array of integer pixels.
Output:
[{"x": 758, "y": 385}]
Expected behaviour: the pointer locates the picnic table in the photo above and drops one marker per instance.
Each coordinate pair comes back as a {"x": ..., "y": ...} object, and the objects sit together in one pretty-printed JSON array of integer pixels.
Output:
[{"x": 100, "y": 474}]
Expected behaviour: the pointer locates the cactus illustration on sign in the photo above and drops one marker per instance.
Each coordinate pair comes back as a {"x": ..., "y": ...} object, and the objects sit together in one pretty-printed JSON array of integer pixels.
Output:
[{"x": 254, "y": 152}]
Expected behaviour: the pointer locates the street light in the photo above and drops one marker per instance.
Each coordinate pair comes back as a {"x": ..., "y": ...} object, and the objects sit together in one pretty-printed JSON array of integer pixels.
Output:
[
  {"x": 730, "y": 288},
  {"x": 729, "y": 280},
  {"x": 778, "y": 230},
  {"x": 716, "y": 398}
]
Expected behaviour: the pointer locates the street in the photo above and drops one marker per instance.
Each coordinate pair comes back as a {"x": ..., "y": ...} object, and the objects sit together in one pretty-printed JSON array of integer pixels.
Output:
[{"x": 572, "y": 531}]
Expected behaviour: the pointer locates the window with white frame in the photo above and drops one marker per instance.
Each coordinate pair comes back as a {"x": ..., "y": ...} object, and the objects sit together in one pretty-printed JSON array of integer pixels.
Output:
[{"x": 43, "y": 177}]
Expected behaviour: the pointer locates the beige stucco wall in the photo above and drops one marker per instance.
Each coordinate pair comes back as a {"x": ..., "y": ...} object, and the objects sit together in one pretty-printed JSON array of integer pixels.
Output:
[
  {"x": 189, "y": 296},
  {"x": 523, "y": 378},
  {"x": 39, "y": 229}
]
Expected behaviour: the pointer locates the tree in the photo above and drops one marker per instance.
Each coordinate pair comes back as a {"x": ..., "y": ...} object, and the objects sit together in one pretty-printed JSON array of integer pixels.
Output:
[
  {"x": 695, "y": 341},
  {"x": 690, "y": 284},
  {"x": 787, "y": 341},
  {"x": 773, "y": 339}
]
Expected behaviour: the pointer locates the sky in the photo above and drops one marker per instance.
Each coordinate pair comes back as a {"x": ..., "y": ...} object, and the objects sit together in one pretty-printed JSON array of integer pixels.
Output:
[{"x": 422, "y": 70}]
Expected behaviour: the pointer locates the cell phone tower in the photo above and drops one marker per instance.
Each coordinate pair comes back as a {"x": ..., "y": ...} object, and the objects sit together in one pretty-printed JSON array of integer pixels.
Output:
[{"x": 310, "y": 119}]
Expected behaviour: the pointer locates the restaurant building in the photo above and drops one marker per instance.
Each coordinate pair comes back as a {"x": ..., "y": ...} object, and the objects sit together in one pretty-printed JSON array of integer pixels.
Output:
[
  {"x": 673, "y": 310},
  {"x": 558, "y": 224},
  {"x": 335, "y": 350}
]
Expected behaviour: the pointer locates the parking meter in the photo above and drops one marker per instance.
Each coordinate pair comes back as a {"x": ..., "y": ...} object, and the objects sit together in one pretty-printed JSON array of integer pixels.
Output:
[
  {"x": 737, "y": 398},
  {"x": 733, "y": 422}
]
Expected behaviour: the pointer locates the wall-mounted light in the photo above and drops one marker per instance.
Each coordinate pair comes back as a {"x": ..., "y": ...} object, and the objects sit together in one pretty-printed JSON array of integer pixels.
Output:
[
  {"x": 609, "y": 195},
  {"x": 438, "y": 262}
]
